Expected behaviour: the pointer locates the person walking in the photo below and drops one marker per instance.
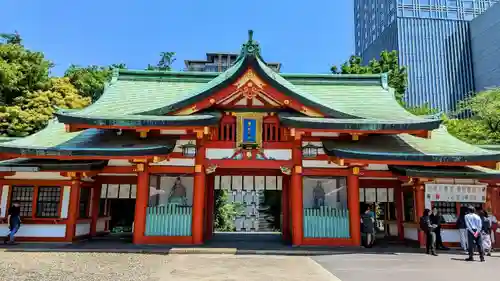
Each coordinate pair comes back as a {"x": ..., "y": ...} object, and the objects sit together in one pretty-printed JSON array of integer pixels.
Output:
[
  {"x": 437, "y": 219},
  {"x": 462, "y": 228},
  {"x": 494, "y": 226},
  {"x": 14, "y": 220},
  {"x": 430, "y": 234},
  {"x": 474, "y": 226},
  {"x": 486, "y": 233},
  {"x": 368, "y": 227}
]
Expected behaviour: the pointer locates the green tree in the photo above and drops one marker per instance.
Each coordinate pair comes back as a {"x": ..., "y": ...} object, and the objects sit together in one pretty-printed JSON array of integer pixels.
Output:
[
  {"x": 387, "y": 63},
  {"x": 90, "y": 80},
  {"x": 21, "y": 70},
  {"x": 31, "y": 112},
  {"x": 484, "y": 126},
  {"x": 165, "y": 62},
  {"x": 225, "y": 212}
]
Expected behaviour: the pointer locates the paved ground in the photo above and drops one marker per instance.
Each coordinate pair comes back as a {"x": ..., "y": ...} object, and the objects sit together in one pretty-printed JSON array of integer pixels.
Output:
[
  {"x": 346, "y": 266},
  {"x": 408, "y": 267},
  {"x": 138, "y": 267}
]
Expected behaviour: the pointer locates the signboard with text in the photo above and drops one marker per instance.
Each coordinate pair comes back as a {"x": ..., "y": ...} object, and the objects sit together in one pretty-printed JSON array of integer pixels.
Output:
[{"x": 455, "y": 193}]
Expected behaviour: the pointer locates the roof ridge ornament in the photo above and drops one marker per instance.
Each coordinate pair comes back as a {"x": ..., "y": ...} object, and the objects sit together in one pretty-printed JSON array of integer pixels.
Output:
[{"x": 251, "y": 47}]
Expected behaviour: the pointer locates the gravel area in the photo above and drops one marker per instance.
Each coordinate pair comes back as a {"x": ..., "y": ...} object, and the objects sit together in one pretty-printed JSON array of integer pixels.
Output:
[{"x": 138, "y": 267}]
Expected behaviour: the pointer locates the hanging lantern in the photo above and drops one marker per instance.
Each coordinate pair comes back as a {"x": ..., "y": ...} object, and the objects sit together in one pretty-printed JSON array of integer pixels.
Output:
[
  {"x": 189, "y": 150},
  {"x": 309, "y": 151}
]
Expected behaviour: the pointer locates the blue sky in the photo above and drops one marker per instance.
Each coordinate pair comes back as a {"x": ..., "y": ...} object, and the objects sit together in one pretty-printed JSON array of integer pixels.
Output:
[{"x": 306, "y": 36}]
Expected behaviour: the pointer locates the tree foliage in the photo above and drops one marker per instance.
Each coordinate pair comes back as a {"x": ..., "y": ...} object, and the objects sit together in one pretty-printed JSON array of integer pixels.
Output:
[
  {"x": 165, "y": 62},
  {"x": 387, "y": 63},
  {"x": 31, "y": 112},
  {"x": 90, "y": 80},
  {"x": 484, "y": 126},
  {"x": 225, "y": 212},
  {"x": 21, "y": 70}
]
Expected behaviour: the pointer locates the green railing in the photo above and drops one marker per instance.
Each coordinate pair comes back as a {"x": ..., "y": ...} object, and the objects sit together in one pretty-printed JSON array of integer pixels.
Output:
[
  {"x": 326, "y": 222},
  {"x": 169, "y": 220}
]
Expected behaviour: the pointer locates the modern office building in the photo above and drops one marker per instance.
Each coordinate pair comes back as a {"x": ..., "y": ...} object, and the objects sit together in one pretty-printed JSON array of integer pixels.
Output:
[
  {"x": 485, "y": 43},
  {"x": 219, "y": 62},
  {"x": 433, "y": 41}
]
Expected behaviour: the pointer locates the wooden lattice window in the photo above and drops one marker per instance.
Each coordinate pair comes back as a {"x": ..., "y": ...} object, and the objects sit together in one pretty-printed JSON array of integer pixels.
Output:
[
  {"x": 24, "y": 196},
  {"x": 48, "y": 200}
]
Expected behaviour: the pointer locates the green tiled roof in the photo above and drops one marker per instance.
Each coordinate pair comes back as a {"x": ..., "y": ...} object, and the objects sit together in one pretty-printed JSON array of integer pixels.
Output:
[
  {"x": 470, "y": 172},
  {"x": 55, "y": 141},
  {"x": 441, "y": 147},
  {"x": 36, "y": 165},
  {"x": 153, "y": 93}
]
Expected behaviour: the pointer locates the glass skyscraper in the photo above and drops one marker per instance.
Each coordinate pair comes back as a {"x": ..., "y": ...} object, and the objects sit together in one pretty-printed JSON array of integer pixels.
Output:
[{"x": 432, "y": 39}]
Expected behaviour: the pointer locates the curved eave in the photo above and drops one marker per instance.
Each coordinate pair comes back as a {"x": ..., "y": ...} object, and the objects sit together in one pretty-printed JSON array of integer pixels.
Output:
[
  {"x": 140, "y": 120},
  {"x": 37, "y": 165},
  {"x": 44, "y": 152},
  {"x": 358, "y": 124},
  {"x": 413, "y": 157},
  {"x": 470, "y": 172}
]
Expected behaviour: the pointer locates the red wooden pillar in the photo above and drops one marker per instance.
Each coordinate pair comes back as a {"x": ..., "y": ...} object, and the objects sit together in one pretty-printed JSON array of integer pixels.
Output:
[
  {"x": 198, "y": 193},
  {"x": 96, "y": 197},
  {"x": 296, "y": 194},
  {"x": 73, "y": 210},
  {"x": 285, "y": 198},
  {"x": 419, "y": 210},
  {"x": 141, "y": 204},
  {"x": 209, "y": 210},
  {"x": 398, "y": 197},
  {"x": 354, "y": 209}
]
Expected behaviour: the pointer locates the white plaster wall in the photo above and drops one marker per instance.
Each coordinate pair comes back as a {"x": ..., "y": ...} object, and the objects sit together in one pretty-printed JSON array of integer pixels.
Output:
[
  {"x": 82, "y": 229},
  {"x": 335, "y": 191},
  {"x": 411, "y": 233},
  {"x": 319, "y": 164},
  {"x": 176, "y": 162},
  {"x": 377, "y": 167},
  {"x": 324, "y": 134},
  {"x": 37, "y": 176},
  {"x": 65, "y": 202},
  {"x": 101, "y": 225},
  {"x": 37, "y": 230},
  {"x": 278, "y": 154},
  {"x": 173, "y": 132},
  {"x": 4, "y": 200},
  {"x": 393, "y": 228},
  {"x": 219, "y": 153},
  {"x": 450, "y": 235},
  {"x": 119, "y": 163}
]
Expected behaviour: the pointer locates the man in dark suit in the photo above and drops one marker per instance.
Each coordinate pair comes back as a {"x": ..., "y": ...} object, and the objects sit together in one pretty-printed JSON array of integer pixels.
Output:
[{"x": 436, "y": 219}]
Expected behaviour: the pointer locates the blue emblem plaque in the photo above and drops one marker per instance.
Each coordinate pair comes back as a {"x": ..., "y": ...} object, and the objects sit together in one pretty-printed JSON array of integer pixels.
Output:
[{"x": 249, "y": 130}]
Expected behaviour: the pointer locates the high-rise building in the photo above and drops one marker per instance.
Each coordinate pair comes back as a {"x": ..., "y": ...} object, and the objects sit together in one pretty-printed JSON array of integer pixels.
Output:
[
  {"x": 485, "y": 42},
  {"x": 432, "y": 38},
  {"x": 219, "y": 62}
]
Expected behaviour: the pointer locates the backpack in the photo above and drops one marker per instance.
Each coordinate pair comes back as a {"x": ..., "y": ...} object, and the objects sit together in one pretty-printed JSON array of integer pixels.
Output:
[
  {"x": 424, "y": 226},
  {"x": 486, "y": 225}
]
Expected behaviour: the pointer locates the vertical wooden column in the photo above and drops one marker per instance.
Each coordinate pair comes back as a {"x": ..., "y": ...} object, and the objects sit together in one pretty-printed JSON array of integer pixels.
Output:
[
  {"x": 141, "y": 204},
  {"x": 296, "y": 193},
  {"x": 419, "y": 210},
  {"x": 354, "y": 209},
  {"x": 209, "y": 209},
  {"x": 398, "y": 197},
  {"x": 96, "y": 197},
  {"x": 285, "y": 210},
  {"x": 73, "y": 209},
  {"x": 198, "y": 193}
]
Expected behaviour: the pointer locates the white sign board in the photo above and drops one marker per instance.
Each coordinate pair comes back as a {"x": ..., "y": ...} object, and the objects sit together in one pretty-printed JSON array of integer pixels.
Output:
[{"x": 455, "y": 193}]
